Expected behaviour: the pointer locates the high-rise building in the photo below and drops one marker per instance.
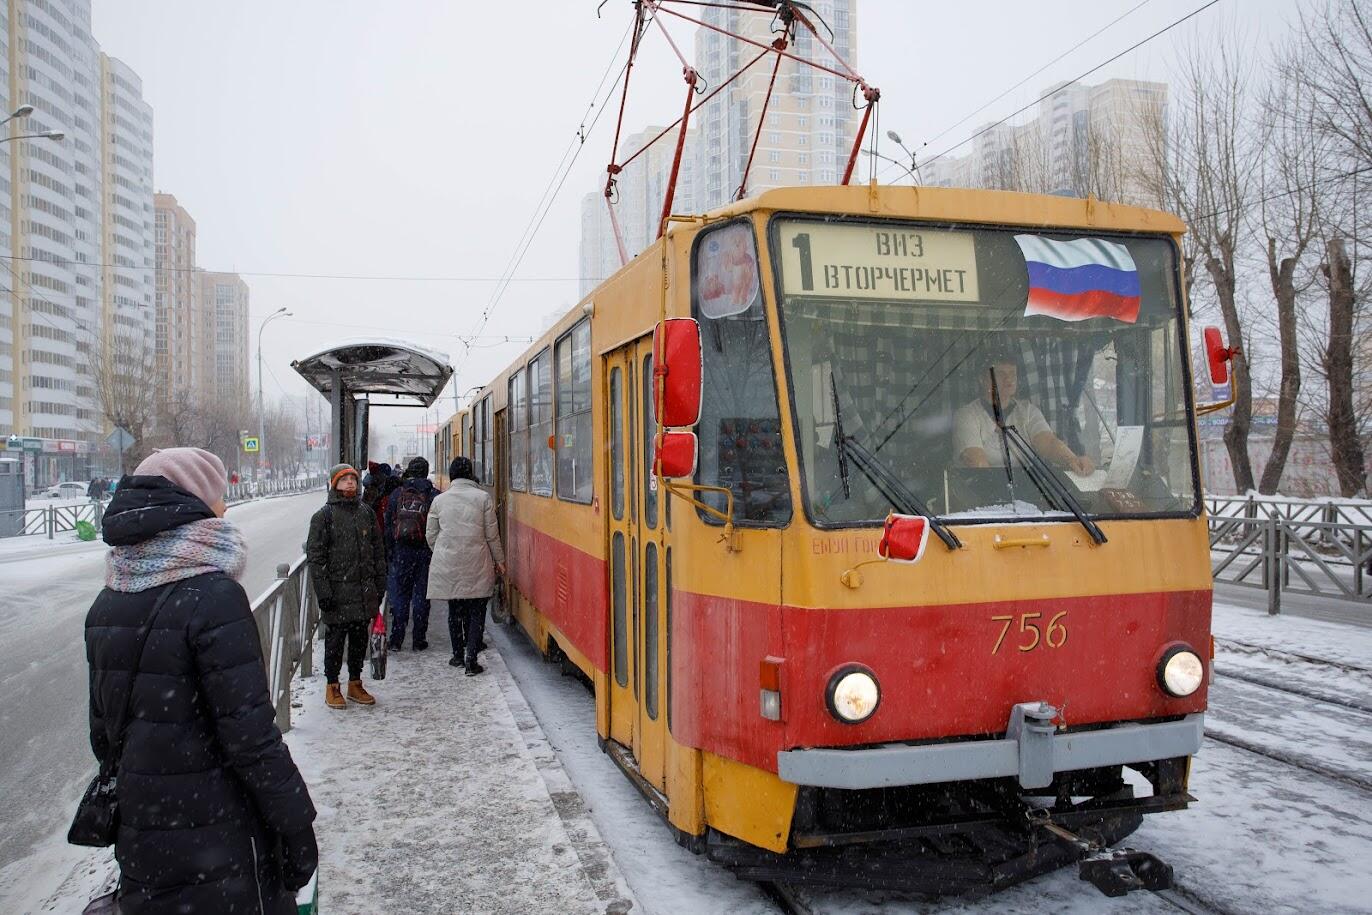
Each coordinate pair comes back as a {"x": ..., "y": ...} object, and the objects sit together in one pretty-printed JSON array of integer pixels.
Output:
[
  {"x": 70, "y": 208},
  {"x": 810, "y": 121},
  {"x": 180, "y": 339},
  {"x": 1083, "y": 140},
  {"x": 224, "y": 300},
  {"x": 640, "y": 190},
  {"x": 808, "y": 134}
]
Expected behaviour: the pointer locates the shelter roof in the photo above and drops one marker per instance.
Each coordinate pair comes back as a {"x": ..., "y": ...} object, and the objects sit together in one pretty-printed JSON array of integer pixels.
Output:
[{"x": 378, "y": 365}]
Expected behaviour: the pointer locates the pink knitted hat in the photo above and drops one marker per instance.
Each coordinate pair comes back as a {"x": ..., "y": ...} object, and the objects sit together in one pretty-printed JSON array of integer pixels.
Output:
[{"x": 198, "y": 472}]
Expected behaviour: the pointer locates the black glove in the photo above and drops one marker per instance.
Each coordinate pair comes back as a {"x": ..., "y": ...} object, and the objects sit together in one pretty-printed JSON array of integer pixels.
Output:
[
  {"x": 299, "y": 859},
  {"x": 325, "y": 604}
]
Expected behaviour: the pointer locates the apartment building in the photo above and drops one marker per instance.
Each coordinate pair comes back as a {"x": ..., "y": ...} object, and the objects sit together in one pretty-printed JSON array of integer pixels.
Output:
[
  {"x": 1083, "y": 140},
  {"x": 68, "y": 207},
  {"x": 180, "y": 339},
  {"x": 806, "y": 138},
  {"x": 224, "y": 301}
]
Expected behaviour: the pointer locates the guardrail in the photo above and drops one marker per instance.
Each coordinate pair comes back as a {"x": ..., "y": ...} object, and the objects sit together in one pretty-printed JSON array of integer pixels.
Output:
[
  {"x": 1320, "y": 547},
  {"x": 287, "y": 614},
  {"x": 51, "y": 520}
]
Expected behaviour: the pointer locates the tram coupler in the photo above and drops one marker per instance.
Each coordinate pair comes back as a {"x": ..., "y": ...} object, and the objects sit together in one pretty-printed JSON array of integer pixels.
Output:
[{"x": 1115, "y": 872}]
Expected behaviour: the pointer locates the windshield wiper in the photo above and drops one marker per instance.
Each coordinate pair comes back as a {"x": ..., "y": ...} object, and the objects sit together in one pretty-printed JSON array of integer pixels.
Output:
[
  {"x": 1037, "y": 468},
  {"x": 880, "y": 476}
]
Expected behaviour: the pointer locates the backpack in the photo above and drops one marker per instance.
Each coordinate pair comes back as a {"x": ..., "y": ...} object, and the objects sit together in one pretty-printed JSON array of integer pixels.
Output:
[{"x": 411, "y": 516}]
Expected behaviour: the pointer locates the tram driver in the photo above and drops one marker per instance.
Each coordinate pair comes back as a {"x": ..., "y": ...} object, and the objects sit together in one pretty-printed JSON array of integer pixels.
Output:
[{"x": 977, "y": 440}]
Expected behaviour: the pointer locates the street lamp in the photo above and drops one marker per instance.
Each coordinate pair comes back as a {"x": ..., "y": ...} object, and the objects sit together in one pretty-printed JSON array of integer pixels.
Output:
[
  {"x": 913, "y": 170},
  {"x": 261, "y": 416},
  {"x": 22, "y": 111}
]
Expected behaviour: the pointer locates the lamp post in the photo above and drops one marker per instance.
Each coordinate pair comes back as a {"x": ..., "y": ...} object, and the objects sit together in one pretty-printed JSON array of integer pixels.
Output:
[
  {"x": 913, "y": 170},
  {"x": 261, "y": 416}
]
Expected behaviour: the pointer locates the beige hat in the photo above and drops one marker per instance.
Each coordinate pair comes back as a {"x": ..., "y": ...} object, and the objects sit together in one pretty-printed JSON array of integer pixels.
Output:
[{"x": 197, "y": 471}]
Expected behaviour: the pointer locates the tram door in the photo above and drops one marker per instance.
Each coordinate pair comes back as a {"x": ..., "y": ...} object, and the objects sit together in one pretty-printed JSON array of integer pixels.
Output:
[{"x": 637, "y": 580}]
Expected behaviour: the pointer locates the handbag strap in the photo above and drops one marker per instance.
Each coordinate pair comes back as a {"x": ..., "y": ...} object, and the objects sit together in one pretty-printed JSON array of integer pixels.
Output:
[{"x": 122, "y": 726}]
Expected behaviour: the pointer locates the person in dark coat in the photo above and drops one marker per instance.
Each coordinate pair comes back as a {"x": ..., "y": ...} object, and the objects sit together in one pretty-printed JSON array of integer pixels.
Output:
[
  {"x": 348, "y": 563},
  {"x": 407, "y": 517},
  {"x": 214, "y": 815}
]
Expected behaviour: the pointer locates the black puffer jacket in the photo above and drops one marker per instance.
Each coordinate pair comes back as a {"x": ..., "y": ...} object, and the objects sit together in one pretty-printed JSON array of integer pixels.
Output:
[
  {"x": 211, "y": 804},
  {"x": 347, "y": 560}
]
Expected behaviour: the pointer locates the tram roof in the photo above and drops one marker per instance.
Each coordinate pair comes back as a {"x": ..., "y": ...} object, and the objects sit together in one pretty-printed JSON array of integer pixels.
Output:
[
  {"x": 955, "y": 204},
  {"x": 378, "y": 365}
]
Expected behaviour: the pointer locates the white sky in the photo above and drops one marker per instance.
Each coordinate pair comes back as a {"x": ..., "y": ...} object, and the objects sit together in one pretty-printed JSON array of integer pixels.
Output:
[{"x": 415, "y": 138}]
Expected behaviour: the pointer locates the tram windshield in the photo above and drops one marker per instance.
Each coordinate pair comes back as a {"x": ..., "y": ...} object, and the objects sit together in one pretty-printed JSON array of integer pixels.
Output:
[{"x": 984, "y": 374}]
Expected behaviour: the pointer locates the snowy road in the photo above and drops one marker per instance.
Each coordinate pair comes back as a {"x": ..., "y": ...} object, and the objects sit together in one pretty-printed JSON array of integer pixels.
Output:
[{"x": 45, "y": 757}]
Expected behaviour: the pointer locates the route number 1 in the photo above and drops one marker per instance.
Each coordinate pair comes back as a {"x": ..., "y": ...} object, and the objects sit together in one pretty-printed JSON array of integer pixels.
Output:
[
  {"x": 801, "y": 242},
  {"x": 1054, "y": 635}
]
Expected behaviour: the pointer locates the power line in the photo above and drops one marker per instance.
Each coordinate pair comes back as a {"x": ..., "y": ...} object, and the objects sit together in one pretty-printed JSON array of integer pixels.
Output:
[
  {"x": 546, "y": 202},
  {"x": 1134, "y": 47},
  {"x": 1109, "y": 25}
]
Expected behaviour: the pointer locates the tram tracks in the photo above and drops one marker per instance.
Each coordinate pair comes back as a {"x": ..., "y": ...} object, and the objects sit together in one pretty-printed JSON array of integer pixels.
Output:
[
  {"x": 1295, "y": 690},
  {"x": 1281, "y": 653}
]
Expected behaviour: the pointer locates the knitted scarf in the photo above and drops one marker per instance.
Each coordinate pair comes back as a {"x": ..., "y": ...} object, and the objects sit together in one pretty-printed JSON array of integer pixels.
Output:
[{"x": 209, "y": 545}]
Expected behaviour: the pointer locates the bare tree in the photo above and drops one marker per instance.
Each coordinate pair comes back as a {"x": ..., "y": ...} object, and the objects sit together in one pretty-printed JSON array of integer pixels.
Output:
[
  {"x": 1208, "y": 161},
  {"x": 1289, "y": 220},
  {"x": 123, "y": 367},
  {"x": 1345, "y": 440}
]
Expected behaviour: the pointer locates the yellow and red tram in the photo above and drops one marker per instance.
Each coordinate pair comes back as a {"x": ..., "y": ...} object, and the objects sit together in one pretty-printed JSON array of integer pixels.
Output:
[{"x": 848, "y": 369}]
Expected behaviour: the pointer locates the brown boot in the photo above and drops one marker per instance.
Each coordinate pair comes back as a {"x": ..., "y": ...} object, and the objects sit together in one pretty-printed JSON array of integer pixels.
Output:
[
  {"x": 359, "y": 695},
  {"x": 333, "y": 696}
]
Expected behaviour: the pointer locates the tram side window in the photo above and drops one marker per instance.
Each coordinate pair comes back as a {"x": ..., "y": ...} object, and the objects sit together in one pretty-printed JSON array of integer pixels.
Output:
[
  {"x": 478, "y": 465},
  {"x": 574, "y": 451},
  {"x": 740, "y": 425},
  {"x": 540, "y": 425},
  {"x": 519, "y": 433},
  {"x": 488, "y": 471}
]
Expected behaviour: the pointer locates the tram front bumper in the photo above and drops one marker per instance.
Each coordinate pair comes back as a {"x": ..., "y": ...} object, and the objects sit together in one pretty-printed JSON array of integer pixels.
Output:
[{"x": 1032, "y": 751}]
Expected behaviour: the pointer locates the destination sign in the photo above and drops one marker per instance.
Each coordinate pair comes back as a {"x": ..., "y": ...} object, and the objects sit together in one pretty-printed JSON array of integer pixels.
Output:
[{"x": 868, "y": 261}]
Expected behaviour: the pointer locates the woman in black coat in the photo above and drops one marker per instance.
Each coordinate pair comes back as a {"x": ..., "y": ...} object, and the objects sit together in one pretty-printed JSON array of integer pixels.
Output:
[{"x": 214, "y": 815}]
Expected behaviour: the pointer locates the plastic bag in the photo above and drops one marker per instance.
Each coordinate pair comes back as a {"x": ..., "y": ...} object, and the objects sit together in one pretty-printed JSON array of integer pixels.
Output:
[
  {"x": 85, "y": 531},
  {"x": 307, "y": 897},
  {"x": 500, "y": 612},
  {"x": 377, "y": 647}
]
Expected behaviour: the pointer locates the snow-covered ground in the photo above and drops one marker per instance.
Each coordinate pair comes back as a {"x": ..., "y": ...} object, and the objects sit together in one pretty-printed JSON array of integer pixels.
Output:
[
  {"x": 496, "y": 787},
  {"x": 45, "y": 758}
]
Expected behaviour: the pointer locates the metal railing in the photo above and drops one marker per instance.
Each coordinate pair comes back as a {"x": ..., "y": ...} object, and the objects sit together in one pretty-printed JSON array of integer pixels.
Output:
[
  {"x": 51, "y": 520},
  {"x": 1317, "y": 547},
  {"x": 287, "y": 614}
]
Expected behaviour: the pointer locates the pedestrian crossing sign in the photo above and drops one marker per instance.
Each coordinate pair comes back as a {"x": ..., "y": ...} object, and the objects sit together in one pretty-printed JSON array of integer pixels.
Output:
[{"x": 250, "y": 444}]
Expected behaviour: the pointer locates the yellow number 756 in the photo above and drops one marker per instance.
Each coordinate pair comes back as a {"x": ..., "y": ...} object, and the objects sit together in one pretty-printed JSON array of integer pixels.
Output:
[{"x": 1054, "y": 635}]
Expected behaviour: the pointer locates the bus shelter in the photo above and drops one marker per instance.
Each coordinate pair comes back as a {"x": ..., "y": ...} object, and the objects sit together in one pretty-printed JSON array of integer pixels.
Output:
[{"x": 358, "y": 374}]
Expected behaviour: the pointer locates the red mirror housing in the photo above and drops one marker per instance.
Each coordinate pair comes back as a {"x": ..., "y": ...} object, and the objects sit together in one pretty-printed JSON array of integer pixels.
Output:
[
  {"x": 677, "y": 371},
  {"x": 1218, "y": 355},
  {"x": 904, "y": 538},
  {"x": 674, "y": 453}
]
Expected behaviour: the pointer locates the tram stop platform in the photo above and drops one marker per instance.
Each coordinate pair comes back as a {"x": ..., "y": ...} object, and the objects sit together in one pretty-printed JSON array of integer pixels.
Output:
[{"x": 445, "y": 796}]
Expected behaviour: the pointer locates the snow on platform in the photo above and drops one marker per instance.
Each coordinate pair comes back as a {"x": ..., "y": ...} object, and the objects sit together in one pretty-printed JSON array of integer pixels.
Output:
[{"x": 434, "y": 801}]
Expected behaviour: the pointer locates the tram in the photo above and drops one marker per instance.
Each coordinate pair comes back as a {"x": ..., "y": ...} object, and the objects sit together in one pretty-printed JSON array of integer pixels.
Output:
[{"x": 873, "y": 517}]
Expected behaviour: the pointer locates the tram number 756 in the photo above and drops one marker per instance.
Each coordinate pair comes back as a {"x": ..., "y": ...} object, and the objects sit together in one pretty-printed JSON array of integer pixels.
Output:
[{"x": 1033, "y": 633}]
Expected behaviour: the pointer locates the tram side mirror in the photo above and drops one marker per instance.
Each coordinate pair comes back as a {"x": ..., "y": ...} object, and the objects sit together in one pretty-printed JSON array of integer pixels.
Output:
[
  {"x": 904, "y": 538},
  {"x": 677, "y": 371},
  {"x": 675, "y": 454},
  {"x": 1218, "y": 355}
]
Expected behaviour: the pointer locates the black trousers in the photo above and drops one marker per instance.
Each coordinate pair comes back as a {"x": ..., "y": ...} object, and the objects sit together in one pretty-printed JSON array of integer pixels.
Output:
[
  {"x": 466, "y": 626},
  {"x": 355, "y": 634}
]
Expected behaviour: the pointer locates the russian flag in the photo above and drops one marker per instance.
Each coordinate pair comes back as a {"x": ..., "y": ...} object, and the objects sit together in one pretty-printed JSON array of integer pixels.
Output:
[{"x": 1076, "y": 280}]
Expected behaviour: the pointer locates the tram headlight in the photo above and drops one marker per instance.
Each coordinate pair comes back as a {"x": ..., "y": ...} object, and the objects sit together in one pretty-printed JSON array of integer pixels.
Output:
[
  {"x": 1180, "y": 671},
  {"x": 853, "y": 694}
]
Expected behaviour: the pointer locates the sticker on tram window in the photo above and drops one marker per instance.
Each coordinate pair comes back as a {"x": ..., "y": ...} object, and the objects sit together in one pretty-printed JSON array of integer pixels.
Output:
[
  {"x": 872, "y": 261},
  {"x": 726, "y": 272}
]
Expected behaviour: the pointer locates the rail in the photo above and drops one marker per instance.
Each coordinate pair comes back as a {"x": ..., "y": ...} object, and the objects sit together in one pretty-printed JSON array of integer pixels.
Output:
[
  {"x": 287, "y": 615},
  {"x": 51, "y": 520},
  {"x": 1317, "y": 547}
]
